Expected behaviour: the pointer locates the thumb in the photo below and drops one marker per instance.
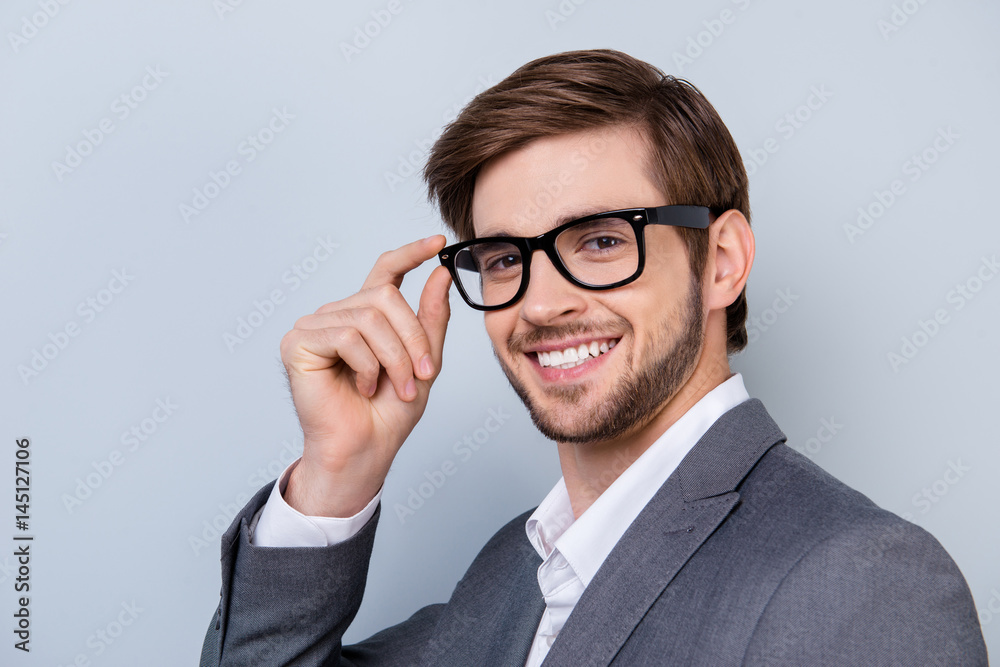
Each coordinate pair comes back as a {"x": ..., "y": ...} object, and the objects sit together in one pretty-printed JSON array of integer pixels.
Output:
[{"x": 434, "y": 311}]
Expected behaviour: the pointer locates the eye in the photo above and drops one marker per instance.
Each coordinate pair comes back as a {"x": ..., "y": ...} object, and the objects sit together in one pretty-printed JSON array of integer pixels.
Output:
[
  {"x": 494, "y": 257},
  {"x": 601, "y": 243},
  {"x": 598, "y": 239},
  {"x": 501, "y": 262}
]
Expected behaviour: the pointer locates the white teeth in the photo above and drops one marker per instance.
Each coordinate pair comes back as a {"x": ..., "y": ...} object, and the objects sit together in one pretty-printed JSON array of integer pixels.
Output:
[{"x": 574, "y": 356}]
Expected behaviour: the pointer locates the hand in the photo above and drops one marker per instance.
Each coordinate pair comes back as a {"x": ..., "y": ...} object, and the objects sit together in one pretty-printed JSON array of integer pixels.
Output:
[{"x": 360, "y": 371}]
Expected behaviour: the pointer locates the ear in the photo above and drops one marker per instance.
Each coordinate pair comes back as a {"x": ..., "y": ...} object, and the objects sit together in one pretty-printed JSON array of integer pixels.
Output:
[{"x": 730, "y": 256}]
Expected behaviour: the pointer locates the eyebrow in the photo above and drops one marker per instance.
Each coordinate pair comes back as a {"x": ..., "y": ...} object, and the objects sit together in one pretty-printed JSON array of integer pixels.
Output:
[{"x": 561, "y": 220}]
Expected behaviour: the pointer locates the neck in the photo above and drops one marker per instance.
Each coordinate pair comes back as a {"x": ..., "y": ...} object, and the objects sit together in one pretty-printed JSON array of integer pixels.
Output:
[{"x": 590, "y": 468}]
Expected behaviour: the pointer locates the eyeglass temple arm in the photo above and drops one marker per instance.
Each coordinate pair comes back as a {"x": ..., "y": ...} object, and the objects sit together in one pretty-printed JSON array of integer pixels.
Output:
[{"x": 694, "y": 217}]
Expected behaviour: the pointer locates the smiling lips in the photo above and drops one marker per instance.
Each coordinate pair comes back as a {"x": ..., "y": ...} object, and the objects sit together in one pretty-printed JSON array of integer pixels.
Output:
[{"x": 575, "y": 355}]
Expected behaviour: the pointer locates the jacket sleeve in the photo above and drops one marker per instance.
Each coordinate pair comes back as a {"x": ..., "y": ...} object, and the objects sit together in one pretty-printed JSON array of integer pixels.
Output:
[
  {"x": 883, "y": 593},
  {"x": 291, "y": 606}
]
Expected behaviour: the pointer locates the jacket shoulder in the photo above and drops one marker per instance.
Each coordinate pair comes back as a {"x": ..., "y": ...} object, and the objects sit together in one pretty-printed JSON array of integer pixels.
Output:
[
  {"x": 786, "y": 487},
  {"x": 849, "y": 575}
]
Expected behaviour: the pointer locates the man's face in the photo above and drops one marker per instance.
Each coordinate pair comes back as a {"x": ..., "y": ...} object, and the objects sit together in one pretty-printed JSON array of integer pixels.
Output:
[{"x": 652, "y": 328}]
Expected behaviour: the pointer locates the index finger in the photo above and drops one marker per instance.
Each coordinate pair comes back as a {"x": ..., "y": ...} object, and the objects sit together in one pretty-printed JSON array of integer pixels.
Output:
[{"x": 392, "y": 265}]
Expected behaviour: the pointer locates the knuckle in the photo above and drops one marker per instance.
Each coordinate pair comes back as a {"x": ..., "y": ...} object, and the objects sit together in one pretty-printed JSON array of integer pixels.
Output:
[
  {"x": 415, "y": 337},
  {"x": 288, "y": 340},
  {"x": 370, "y": 369},
  {"x": 369, "y": 316},
  {"x": 327, "y": 307},
  {"x": 344, "y": 336},
  {"x": 384, "y": 258},
  {"x": 385, "y": 293},
  {"x": 398, "y": 357},
  {"x": 288, "y": 346}
]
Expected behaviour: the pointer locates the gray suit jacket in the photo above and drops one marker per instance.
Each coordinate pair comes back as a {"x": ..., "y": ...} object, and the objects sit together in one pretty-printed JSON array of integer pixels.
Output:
[{"x": 749, "y": 554}]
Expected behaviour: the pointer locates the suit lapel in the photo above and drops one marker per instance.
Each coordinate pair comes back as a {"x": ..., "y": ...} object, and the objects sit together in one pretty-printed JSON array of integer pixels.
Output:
[
  {"x": 516, "y": 630},
  {"x": 636, "y": 572},
  {"x": 494, "y": 612},
  {"x": 688, "y": 508}
]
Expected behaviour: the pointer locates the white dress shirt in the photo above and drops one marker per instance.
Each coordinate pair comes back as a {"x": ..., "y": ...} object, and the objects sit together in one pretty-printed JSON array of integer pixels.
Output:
[
  {"x": 572, "y": 550},
  {"x": 279, "y": 524}
]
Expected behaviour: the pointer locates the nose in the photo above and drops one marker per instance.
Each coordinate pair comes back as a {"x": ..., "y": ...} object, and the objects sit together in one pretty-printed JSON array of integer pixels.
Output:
[{"x": 550, "y": 298}]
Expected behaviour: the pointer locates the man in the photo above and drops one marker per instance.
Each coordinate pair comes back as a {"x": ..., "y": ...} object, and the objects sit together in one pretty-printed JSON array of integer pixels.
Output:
[{"x": 603, "y": 216}]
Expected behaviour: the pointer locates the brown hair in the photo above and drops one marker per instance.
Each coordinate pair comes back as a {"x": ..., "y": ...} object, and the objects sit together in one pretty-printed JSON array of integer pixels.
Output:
[{"x": 694, "y": 158}]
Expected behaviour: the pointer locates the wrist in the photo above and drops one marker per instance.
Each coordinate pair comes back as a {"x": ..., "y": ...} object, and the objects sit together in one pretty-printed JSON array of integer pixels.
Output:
[{"x": 315, "y": 492}]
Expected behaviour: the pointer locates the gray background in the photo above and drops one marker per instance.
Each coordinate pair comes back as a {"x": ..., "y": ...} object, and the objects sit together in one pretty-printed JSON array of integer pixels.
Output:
[{"x": 145, "y": 537}]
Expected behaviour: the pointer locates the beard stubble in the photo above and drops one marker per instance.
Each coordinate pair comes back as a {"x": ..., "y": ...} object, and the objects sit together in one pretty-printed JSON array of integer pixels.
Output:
[{"x": 637, "y": 396}]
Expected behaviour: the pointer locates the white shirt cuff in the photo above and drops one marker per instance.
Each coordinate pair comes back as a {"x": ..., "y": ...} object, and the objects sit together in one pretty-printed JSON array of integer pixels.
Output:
[{"x": 281, "y": 525}]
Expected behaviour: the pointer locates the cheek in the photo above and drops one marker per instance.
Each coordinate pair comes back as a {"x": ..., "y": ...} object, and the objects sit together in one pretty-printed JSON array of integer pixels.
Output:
[
  {"x": 668, "y": 274},
  {"x": 649, "y": 312},
  {"x": 498, "y": 328},
  {"x": 666, "y": 255}
]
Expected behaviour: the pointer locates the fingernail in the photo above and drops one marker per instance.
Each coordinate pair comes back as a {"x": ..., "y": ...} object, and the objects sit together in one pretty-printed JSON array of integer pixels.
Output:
[
  {"x": 411, "y": 388},
  {"x": 426, "y": 365}
]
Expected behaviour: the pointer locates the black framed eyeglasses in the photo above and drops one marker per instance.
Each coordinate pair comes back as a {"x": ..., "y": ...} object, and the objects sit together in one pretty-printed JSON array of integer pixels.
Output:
[{"x": 596, "y": 252}]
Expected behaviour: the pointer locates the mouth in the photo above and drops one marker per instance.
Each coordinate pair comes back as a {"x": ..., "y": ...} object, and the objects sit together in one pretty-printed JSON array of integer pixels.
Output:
[{"x": 570, "y": 356}]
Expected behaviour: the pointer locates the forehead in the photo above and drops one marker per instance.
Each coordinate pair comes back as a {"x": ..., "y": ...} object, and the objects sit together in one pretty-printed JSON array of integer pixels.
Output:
[{"x": 532, "y": 189}]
